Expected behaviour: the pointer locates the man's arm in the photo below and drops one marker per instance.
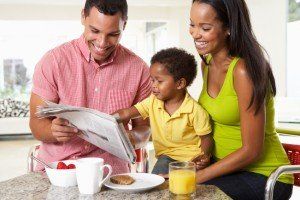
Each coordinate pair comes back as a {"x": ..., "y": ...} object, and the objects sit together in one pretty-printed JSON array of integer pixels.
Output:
[{"x": 46, "y": 129}]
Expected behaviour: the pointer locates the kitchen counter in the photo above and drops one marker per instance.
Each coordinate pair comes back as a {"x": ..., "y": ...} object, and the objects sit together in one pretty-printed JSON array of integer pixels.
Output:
[
  {"x": 288, "y": 128},
  {"x": 37, "y": 186}
]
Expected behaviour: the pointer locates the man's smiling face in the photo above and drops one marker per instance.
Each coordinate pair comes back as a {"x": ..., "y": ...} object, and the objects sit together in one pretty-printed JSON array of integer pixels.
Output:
[{"x": 102, "y": 33}]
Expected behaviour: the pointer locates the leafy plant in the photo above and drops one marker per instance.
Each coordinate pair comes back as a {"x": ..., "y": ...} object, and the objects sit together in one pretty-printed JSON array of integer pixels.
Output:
[{"x": 294, "y": 10}]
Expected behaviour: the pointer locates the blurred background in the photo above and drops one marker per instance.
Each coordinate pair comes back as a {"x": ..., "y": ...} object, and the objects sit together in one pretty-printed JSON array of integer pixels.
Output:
[{"x": 29, "y": 28}]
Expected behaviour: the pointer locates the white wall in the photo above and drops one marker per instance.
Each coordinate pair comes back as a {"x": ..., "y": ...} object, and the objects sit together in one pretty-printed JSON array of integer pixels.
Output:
[
  {"x": 269, "y": 24},
  {"x": 178, "y": 30},
  {"x": 269, "y": 19}
]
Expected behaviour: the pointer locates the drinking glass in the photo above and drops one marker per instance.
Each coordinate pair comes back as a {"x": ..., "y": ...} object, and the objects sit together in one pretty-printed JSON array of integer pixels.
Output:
[{"x": 182, "y": 180}]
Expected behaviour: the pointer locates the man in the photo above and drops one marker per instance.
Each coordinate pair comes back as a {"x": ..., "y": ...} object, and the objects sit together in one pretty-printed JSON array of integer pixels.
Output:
[{"x": 93, "y": 71}]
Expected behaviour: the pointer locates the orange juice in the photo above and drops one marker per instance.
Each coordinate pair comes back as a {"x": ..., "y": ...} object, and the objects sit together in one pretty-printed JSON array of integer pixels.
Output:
[{"x": 182, "y": 181}]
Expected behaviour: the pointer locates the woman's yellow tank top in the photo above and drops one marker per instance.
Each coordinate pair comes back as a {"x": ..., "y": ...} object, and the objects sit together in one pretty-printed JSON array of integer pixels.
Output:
[{"x": 224, "y": 111}]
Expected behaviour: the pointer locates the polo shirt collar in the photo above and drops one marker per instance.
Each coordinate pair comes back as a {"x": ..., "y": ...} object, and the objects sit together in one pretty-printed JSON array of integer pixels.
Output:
[
  {"x": 186, "y": 106},
  {"x": 83, "y": 46}
]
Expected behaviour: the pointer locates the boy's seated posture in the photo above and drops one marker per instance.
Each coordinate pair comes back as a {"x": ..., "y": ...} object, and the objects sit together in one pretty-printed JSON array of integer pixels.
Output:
[{"x": 179, "y": 125}]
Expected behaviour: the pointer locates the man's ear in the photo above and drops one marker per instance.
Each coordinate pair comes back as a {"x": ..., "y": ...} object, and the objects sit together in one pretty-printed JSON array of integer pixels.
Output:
[
  {"x": 181, "y": 83},
  {"x": 82, "y": 17}
]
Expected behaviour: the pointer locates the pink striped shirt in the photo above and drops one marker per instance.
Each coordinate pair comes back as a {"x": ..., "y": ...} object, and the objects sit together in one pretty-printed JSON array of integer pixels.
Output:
[{"x": 68, "y": 75}]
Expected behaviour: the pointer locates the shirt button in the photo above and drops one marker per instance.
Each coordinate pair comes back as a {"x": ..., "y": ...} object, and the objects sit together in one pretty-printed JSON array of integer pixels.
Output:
[
  {"x": 96, "y": 89},
  {"x": 86, "y": 146}
]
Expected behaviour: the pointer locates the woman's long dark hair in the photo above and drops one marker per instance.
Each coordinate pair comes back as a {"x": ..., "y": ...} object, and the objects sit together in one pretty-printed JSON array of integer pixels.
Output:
[{"x": 242, "y": 42}]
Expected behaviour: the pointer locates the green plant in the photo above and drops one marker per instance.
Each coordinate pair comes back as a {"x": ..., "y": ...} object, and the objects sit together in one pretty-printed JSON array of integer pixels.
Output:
[{"x": 294, "y": 11}]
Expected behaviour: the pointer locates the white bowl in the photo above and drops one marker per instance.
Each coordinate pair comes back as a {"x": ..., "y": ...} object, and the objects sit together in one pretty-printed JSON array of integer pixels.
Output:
[{"x": 62, "y": 177}]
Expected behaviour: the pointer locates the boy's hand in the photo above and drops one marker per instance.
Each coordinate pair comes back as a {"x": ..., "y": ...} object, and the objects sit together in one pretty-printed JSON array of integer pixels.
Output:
[{"x": 201, "y": 161}]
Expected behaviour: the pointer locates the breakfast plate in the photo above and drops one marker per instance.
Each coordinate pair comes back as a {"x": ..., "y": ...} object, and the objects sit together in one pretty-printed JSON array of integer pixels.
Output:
[{"x": 143, "y": 182}]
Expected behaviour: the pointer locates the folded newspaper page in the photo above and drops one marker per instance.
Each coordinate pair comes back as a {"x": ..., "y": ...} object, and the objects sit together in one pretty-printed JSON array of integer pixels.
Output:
[{"x": 100, "y": 129}]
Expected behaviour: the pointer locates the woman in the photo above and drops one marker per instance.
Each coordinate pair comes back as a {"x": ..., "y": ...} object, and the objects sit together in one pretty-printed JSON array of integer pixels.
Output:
[{"x": 238, "y": 91}]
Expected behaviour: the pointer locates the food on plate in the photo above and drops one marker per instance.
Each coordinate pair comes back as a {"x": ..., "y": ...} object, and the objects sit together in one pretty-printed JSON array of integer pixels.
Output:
[
  {"x": 122, "y": 179},
  {"x": 71, "y": 166},
  {"x": 62, "y": 165}
]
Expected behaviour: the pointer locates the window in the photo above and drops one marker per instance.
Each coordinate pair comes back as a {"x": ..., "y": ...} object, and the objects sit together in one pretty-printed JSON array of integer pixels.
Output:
[
  {"x": 293, "y": 48},
  {"x": 156, "y": 37},
  {"x": 287, "y": 108},
  {"x": 24, "y": 42}
]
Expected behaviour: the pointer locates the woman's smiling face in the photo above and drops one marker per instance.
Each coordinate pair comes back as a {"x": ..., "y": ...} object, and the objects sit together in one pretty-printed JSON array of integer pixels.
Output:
[{"x": 206, "y": 29}]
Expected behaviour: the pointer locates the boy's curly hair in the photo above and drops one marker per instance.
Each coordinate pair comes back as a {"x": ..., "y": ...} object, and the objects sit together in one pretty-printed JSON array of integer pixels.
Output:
[{"x": 178, "y": 62}]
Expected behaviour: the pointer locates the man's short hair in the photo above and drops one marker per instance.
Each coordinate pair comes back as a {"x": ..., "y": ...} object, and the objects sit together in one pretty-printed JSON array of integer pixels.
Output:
[
  {"x": 178, "y": 62},
  {"x": 107, "y": 7}
]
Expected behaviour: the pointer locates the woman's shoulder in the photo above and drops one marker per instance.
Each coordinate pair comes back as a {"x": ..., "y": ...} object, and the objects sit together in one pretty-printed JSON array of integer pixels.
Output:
[{"x": 240, "y": 70}]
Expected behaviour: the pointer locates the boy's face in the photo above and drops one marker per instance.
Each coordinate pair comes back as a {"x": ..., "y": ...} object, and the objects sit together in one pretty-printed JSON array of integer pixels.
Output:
[{"x": 163, "y": 84}]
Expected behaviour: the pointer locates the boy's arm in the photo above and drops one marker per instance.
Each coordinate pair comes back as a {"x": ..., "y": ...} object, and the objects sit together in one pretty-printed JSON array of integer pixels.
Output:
[
  {"x": 203, "y": 160},
  {"x": 207, "y": 144},
  {"x": 139, "y": 135},
  {"x": 202, "y": 126},
  {"x": 128, "y": 113}
]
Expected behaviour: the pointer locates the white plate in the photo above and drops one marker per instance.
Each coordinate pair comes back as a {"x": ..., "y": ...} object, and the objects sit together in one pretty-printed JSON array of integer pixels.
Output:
[{"x": 143, "y": 182}]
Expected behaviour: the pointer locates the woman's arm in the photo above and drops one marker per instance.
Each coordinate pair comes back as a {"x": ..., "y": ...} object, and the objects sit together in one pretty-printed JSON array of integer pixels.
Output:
[{"x": 252, "y": 131}]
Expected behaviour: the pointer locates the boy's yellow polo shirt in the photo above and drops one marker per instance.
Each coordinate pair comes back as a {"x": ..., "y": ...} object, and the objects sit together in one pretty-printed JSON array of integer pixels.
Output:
[{"x": 176, "y": 136}]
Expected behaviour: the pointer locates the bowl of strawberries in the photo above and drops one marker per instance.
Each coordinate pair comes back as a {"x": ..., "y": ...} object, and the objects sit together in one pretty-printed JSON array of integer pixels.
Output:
[{"x": 62, "y": 173}]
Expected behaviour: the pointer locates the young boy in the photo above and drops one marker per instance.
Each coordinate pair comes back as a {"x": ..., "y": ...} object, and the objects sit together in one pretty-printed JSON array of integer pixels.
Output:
[{"x": 179, "y": 125}]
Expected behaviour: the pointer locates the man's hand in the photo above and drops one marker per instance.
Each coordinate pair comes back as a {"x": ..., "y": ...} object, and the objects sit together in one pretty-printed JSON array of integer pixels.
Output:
[
  {"x": 201, "y": 161},
  {"x": 62, "y": 131}
]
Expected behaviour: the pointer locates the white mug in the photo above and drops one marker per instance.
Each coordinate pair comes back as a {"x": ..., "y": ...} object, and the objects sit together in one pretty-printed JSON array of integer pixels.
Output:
[{"x": 89, "y": 174}]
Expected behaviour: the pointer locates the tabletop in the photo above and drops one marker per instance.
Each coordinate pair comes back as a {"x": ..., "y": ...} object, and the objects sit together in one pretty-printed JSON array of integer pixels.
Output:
[{"x": 37, "y": 186}]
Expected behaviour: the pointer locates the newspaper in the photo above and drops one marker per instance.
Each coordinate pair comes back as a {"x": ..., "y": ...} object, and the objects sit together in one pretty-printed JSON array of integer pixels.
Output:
[{"x": 101, "y": 129}]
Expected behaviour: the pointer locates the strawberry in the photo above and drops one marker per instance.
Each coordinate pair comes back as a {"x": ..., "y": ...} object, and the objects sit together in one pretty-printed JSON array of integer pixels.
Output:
[
  {"x": 61, "y": 165},
  {"x": 71, "y": 166}
]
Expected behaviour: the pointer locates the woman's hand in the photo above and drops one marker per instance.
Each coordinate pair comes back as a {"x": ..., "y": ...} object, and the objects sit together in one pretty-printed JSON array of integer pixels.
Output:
[{"x": 201, "y": 161}]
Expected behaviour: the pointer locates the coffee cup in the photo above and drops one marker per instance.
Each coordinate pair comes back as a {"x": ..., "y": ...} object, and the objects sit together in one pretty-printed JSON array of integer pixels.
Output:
[{"x": 89, "y": 174}]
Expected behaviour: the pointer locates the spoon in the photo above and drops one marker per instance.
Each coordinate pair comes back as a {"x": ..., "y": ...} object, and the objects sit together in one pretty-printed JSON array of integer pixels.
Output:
[{"x": 40, "y": 161}]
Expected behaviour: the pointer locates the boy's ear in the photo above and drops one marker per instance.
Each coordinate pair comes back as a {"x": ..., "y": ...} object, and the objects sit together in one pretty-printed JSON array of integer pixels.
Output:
[{"x": 181, "y": 83}]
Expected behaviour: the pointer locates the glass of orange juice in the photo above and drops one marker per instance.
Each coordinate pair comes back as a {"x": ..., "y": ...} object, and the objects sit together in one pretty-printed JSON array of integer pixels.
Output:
[{"x": 182, "y": 180}]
